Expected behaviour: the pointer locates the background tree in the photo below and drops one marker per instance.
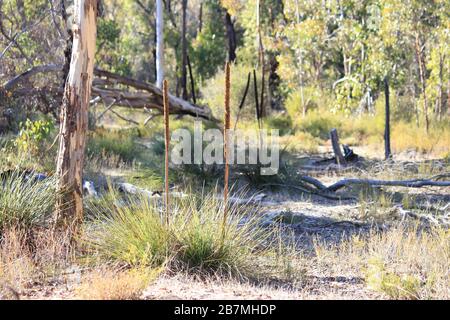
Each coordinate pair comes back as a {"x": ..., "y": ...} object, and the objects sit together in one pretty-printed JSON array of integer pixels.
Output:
[{"x": 159, "y": 44}]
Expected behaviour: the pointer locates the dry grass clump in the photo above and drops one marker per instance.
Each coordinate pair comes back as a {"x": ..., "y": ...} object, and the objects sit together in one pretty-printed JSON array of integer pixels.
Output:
[
  {"x": 17, "y": 267},
  {"x": 406, "y": 136},
  {"x": 402, "y": 263},
  {"x": 299, "y": 142},
  {"x": 31, "y": 257},
  {"x": 112, "y": 284}
]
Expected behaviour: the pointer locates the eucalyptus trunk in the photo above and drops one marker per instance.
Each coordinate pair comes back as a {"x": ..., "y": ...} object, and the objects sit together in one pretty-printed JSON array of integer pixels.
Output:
[{"x": 74, "y": 115}]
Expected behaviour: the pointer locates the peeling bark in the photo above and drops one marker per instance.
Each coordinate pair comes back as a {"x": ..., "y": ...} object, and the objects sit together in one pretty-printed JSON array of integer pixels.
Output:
[{"x": 74, "y": 116}]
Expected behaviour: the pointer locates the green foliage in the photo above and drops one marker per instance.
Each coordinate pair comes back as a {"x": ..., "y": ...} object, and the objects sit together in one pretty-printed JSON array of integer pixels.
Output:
[
  {"x": 319, "y": 124},
  {"x": 120, "y": 143},
  {"x": 210, "y": 43},
  {"x": 214, "y": 88},
  {"x": 394, "y": 285},
  {"x": 313, "y": 98},
  {"x": 33, "y": 134},
  {"x": 107, "y": 31},
  {"x": 111, "y": 49},
  {"x": 279, "y": 122},
  {"x": 25, "y": 202}
]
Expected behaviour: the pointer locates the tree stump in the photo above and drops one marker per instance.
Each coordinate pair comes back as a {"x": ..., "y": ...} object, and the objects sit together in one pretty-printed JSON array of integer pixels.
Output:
[{"x": 336, "y": 147}]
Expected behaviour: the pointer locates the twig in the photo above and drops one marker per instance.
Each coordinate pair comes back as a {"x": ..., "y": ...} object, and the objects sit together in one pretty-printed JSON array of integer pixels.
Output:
[
  {"x": 123, "y": 118},
  {"x": 107, "y": 109},
  {"x": 258, "y": 112},
  {"x": 191, "y": 77},
  {"x": 241, "y": 105}
]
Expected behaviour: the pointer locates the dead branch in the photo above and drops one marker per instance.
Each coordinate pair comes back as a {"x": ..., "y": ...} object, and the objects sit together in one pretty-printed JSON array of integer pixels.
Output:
[
  {"x": 415, "y": 183},
  {"x": 107, "y": 109},
  {"x": 14, "y": 82},
  {"x": 314, "y": 186},
  {"x": 124, "y": 118},
  {"x": 110, "y": 86},
  {"x": 310, "y": 190}
]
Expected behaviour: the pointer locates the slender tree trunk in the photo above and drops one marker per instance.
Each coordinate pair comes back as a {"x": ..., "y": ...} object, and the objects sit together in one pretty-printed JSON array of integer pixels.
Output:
[
  {"x": 155, "y": 58},
  {"x": 184, "y": 92},
  {"x": 191, "y": 78},
  {"x": 336, "y": 147},
  {"x": 166, "y": 148},
  {"x": 387, "y": 129},
  {"x": 231, "y": 35},
  {"x": 448, "y": 98},
  {"x": 159, "y": 44},
  {"x": 200, "y": 18},
  {"x": 74, "y": 116},
  {"x": 261, "y": 59},
  {"x": 440, "y": 88},
  {"x": 420, "y": 61},
  {"x": 226, "y": 146},
  {"x": 300, "y": 63}
]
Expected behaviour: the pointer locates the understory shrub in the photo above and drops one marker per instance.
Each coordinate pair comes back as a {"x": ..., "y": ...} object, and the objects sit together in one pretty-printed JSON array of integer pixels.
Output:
[{"x": 110, "y": 143}]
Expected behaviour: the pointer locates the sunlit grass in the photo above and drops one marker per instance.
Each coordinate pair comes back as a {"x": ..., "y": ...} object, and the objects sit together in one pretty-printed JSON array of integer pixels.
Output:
[
  {"x": 25, "y": 201},
  {"x": 132, "y": 231}
]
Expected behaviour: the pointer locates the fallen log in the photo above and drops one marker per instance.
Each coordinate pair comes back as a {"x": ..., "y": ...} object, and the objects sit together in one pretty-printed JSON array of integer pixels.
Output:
[
  {"x": 312, "y": 185},
  {"x": 124, "y": 91},
  {"x": 416, "y": 183}
]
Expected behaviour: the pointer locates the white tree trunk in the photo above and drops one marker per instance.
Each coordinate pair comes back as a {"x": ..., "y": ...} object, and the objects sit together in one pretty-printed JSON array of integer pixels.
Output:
[
  {"x": 159, "y": 44},
  {"x": 74, "y": 114}
]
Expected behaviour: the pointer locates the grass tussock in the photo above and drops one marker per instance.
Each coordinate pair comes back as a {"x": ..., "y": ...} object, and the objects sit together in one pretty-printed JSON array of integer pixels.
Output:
[
  {"x": 17, "y": 267},
  {"x": 118, "y": 144},
  {"x": 135, "y": 234},
  {"x": 25, "y": 201},
  {"x": 31, "y": 257}
]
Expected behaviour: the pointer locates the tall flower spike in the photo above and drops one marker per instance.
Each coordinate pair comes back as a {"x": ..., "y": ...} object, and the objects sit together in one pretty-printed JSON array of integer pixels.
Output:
[
  {"x": 227, "y": 117},
  {"x": 167, "y": 142}
]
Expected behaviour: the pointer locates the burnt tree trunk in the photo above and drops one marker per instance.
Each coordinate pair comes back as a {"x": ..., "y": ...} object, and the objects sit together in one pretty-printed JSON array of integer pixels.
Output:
[
  {"x": 387, "y": 129},
  {"x": 261, "y": 60},
  {"x": 74, "y": 115},
  {"x": 231, "y": 35},
  {"x": 336, "y": 147},
  {"x": 200, "y": 18}
]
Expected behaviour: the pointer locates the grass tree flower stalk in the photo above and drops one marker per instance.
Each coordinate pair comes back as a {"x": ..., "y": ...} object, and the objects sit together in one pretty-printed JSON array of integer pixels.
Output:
[
  {"x": 227, "y": 116},
  {"x": 167, "y": 142}
]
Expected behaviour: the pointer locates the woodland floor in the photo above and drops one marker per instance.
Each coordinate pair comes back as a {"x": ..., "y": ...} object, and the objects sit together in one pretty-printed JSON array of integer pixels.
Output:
[{"x": 310, "y": 220}]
